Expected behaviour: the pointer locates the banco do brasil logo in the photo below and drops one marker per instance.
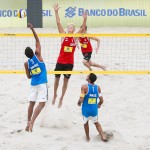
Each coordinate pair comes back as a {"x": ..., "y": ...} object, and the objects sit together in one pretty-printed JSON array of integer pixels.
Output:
[{"x": 70, "y": 12}]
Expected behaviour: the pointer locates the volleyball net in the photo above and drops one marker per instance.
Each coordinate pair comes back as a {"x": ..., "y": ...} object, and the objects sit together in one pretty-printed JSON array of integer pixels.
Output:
[{"x": 120, "y": 53}]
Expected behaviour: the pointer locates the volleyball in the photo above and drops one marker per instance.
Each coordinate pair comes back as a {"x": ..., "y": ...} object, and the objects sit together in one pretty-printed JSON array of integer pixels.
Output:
[{"x": 21, "y": 13}]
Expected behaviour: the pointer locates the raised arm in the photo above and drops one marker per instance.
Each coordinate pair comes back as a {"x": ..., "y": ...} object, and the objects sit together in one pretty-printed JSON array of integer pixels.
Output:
[
  {"x": 37, "y": 42},
  {"x": 98, "y": 42},
  {"x": 81, "y": 30},
  {"x": 60, "y": 28}
]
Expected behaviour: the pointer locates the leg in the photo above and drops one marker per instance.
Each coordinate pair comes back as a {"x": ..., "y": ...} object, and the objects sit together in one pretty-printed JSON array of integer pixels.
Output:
[
  {"x": 56, "y": 84},
  {"x": 30, "y": 112},
  {"x": 97, "y": 65},
  {"x": 100, "y": 130},
  {"x": 86, "y": 128},
  {"x": 64, "y": 88},
  {"x": 35, "y": 114},
  {"x": 87, "y": 64}
]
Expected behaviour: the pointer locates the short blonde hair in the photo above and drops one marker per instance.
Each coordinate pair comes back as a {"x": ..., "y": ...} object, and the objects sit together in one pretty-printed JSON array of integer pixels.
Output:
[{"x": 71, "y": 24}]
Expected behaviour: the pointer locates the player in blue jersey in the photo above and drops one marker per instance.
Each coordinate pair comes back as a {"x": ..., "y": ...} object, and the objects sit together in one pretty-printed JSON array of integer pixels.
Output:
[
  {"x": 36, "y": 71},
  {"x": 89, "y": 94}
]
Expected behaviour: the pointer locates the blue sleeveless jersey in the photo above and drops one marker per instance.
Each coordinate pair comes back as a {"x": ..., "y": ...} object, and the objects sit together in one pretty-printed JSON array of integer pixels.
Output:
[
  {"x": 89, "y": 105},
  {"x": 37, "y": 70}
]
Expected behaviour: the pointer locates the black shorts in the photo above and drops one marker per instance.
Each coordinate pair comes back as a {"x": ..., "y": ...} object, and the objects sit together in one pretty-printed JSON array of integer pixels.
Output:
[
  {"x": 87, "y": 55},
  {"x": 63, "y": 67}
]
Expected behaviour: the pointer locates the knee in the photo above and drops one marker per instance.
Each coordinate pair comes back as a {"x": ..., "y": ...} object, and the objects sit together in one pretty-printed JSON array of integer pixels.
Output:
[
  {"x": 96, "y": 124},
  {"x": 84, "y": 62},
  {"x": 65, "y": 85},
  {"x": 86, "y": 124},
  {"x": 31, "y": 105},
  {"x": 56, "y": 81},
  {"x": 66, "y": 80},
  {"x": 42, "y": 104},
  {"x": 91, "y": 63}
]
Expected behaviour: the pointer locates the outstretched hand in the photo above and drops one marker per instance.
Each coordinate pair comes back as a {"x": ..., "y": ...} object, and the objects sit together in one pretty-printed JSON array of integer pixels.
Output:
[
  {"x": 84, "y": 15},
  {"x": 30, "y": 26},
  {"x": 56, "y": 7},
  {"x": 96, "y": 50}
]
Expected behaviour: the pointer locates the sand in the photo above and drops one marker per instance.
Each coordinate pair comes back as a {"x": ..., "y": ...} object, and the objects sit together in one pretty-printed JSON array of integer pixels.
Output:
[{"x": 125, "y": 113}]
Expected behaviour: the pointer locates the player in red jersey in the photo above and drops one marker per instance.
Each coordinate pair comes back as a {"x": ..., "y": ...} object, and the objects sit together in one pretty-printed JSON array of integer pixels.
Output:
[
  {"x": 87, "y": 50},
  {"x": 65, "y": 61}
]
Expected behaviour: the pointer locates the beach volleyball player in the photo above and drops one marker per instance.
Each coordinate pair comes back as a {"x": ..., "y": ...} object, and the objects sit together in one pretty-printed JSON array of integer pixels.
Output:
[
  {"x": 65, "y": 61},
  {"x": 36, "y": 71},
  {"x": 88, "y": 98},
  {"x": 86, "y": 49}
]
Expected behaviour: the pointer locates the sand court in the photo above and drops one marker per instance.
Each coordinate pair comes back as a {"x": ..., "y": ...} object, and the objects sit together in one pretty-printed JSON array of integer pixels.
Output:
[{"x": 125, "y": 113}]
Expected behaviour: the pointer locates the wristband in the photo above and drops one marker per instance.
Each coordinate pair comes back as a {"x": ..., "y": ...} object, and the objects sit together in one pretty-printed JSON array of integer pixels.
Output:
[{"x": 82, "y": 95}]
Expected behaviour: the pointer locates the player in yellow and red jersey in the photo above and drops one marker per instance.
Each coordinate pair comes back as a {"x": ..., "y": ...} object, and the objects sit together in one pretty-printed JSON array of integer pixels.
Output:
[
  {"x": 86, "y": 49},
  {"x": 65, "y": 61}
]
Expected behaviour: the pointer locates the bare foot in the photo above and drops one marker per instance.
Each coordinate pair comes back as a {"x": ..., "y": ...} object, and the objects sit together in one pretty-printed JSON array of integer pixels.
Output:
[
  {"x": 30, "y": 126},
  {"x": 54, "y": 99},
  {"x": 88, "y": 139},
  {"x": 104, "y": 138},
  {"x": 27, "y": 127},
  {"x": 104, "y": 68},
  {"x": 60, "y": 103},
  {"x": 90, "y": 69}
]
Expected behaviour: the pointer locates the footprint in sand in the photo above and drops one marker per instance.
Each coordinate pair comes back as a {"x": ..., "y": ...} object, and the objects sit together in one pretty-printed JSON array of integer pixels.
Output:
[
  {"x": 65, "y": 148},
  {"x": 145, "y": 146},
  {"x": 60, "y": 139},
  {"x": 16, "y": 131},
  {"x": 109, "y": 135}
]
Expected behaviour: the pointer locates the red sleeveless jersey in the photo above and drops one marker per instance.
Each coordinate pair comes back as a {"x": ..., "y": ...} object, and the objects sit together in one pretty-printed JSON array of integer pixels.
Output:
[
  {"x": 85, "y": 44},
  {"x": 66, "y": 55}
]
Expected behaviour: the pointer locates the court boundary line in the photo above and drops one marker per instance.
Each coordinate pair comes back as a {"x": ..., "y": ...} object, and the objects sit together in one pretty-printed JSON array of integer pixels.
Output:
[
  {"x": 80, "y": 72},
  {"x": 75, "y": 35}
]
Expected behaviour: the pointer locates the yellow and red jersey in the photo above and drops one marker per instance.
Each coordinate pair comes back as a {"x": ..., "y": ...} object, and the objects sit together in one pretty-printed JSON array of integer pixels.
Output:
[
  {"x": 85, "y": 44},
  {"x": 66, "y": 55}
]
